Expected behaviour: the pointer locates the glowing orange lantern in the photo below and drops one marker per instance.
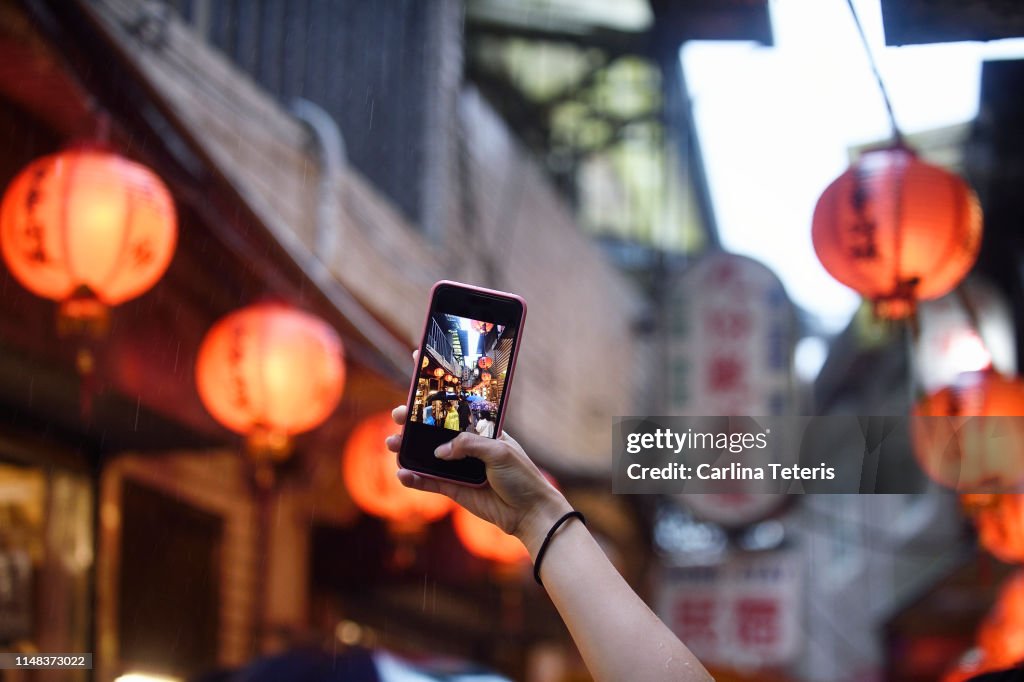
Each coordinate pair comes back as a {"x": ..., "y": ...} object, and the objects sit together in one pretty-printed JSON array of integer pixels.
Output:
[
  {"x": 87, "y": 228},
  {"x": 897, "y": 230},
  {"x": 485, "y": 540},
  {"x": 369, "y": 469},
  {"x": 448, "y": 378},
  {"x": 485, "y": 377},
  {"x": 485, "y": 362},
  {"x": 482, "y": 327},
  {"x": 1001, "y": 635},
  {"x": 438, "y": 372},
  {"x": 426, "y": 361},
  {"x": 972, "y": 450},
  {"x": 270, "y": 371},
  {"x": 1000, "y": 523}
]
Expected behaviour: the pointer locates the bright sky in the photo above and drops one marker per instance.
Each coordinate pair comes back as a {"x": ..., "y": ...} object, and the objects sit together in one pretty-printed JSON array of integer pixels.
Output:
[
  {"x": 472, "y": 340},
  {"x": 775, "y": 125}
]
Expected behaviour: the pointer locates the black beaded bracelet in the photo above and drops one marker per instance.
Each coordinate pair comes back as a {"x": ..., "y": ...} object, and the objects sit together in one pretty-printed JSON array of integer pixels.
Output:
[{"x": 547, "y": 540}]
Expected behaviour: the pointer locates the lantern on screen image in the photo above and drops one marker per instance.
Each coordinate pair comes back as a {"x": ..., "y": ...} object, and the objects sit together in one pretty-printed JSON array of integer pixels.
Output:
[
  {"x": 89, "y": 229},
  {"x": 270, "y": 371},
  {"x": 999, "y": 520},
  {"x": 481, "y": 327},
  {"x": 1001, "y": 634},
  {"x": 485, "y": 362},
  {"x": 369, "y": 471},
  {"x": 962, "y": 439},
  {"x": 439, "y": 372},
  {"x": 897, "y": 230},
  {"x": 426, "y": 361},
  {"x": 485, "y": 540}
]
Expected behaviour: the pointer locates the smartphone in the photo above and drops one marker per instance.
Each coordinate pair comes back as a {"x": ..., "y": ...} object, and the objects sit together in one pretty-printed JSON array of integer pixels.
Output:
[{"x": 462, "y": 380}]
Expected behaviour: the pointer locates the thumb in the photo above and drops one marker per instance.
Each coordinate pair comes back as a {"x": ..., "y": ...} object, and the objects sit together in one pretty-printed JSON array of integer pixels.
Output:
[{"x": 490, "y": 451}]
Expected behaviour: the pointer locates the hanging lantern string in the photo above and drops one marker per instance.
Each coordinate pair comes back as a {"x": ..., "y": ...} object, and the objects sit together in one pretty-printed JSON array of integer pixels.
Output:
[{"x": 897, "y": 135}]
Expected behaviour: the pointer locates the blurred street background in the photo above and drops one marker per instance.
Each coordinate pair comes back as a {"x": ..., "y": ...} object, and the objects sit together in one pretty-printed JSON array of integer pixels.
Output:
[{"x": 220, "y": 223}]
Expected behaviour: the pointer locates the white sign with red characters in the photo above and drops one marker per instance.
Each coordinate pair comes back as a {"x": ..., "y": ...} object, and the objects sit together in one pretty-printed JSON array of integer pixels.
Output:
[
  {"x": 731, "y": 336},
  {"x": 744, "y": 613}
]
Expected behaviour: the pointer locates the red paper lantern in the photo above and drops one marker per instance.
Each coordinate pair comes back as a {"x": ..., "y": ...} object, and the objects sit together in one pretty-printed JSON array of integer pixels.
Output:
[
  {"x": 485, "y": 377},
  {"x": 485, "y": 540},
  {"x": 1000, "y": 523},
  {"x": 971, "y": 450},
  {"x": 485, "y": 362},
  {"x": 482, "y": 327},
  {"x": 897, "y": 230},
  {"x": 87, "y": 228},
  {"x": 439, "y": 372},
  {"x": 269, "y": 371},
  {"x": 369, "y": 468}
]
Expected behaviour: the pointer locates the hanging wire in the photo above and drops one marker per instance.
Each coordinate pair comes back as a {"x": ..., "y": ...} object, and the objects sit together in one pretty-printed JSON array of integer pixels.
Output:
[{"x": 897, "y": 134}]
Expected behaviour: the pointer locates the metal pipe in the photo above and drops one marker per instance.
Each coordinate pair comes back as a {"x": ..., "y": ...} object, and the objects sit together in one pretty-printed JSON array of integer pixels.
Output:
[{"x": 333, "y": 161}]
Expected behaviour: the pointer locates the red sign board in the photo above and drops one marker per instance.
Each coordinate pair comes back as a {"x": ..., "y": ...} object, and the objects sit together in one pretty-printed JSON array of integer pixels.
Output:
[{"x": 743, "y": 613}]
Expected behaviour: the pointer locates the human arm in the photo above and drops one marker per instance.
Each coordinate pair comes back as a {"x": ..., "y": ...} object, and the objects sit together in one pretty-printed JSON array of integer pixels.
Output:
[{"x": 618, "y": 636}]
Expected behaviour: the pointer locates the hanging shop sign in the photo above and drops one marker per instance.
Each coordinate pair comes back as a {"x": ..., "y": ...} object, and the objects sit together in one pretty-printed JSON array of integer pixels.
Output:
[
  {"x": 744, "y": 612},
  {"x": 733, "y": 510},
  {"x": 730, "y": 342}
]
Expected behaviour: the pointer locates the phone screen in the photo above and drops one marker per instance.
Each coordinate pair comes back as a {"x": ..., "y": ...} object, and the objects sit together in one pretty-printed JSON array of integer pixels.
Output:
[{"x": 465, "y": 365}]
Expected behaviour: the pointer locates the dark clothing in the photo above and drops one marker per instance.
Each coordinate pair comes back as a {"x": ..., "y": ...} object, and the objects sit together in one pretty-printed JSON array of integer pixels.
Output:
[
  {"x": 354, "y": 665},
  {"x": 463, "y": 414}
]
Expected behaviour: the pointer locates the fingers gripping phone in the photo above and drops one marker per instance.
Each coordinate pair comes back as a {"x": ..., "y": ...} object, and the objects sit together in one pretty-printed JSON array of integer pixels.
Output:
[{"x": 461, "y": 383}]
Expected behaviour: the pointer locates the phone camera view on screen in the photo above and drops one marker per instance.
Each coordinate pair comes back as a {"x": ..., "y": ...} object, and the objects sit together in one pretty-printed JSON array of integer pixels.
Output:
[{"x": 462, "y": 374}]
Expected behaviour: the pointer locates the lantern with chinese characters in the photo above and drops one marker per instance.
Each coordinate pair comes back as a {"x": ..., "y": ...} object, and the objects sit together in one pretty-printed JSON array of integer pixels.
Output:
[
  {"x": 487, "y": 541},
  {"x": 439, "y": 372},
  {"x": 485, "y": 362},
  {"x": 270, "y": 371},
  {"x": 962, "y": 438},
  {"x": 897, "y": 230},
  {"x": 481, "y": 327},
  {"x": 87, "y": 228},
  {"x": 1000, "y": 523},
  {"x": 369, "y": 471},
  {"x": 448, "y": 378}
]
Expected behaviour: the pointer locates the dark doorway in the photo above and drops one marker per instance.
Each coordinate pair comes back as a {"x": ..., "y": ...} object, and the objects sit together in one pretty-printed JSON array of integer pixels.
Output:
[{"x": 169, "y": 584}]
